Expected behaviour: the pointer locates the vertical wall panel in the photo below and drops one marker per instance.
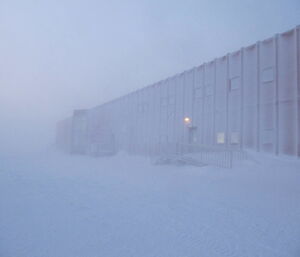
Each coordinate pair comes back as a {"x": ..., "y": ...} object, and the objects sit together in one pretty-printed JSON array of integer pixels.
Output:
[
  {"x": 142, "y": 119},
  {"x": 287, "y": 86},
  {"x": 298, "y": 88},
  {"x": 177, "y": 115},
  {"x": 198, "y": 107},
  {"x": 138, "y": 126},
  {"x": 121, "y": 123},
  {"x": 171, "y": 110},
  {"x": 234, "y": 99},
  {"x": 189, "y": 130},
  {"x": 127, "y": 127},
  {"x": 152, "y": 116},
  {"x": 267, "y": 95},
  {"x": 134, "y": 124},
  {"x": 156, "y": 114},
  {"x": 220, "y": 98},
  {"x": 209, "y": 104},
  {"x": 138, "y": 115},
  {"x": 163, "y": 112},
  {"x": 148, "y": 131},
  {"x": 146, "y": 111},
  {"x": 179, "y": 108},
  {"x": 188, "y": 93},
  {"x": 250, "y": 100}
]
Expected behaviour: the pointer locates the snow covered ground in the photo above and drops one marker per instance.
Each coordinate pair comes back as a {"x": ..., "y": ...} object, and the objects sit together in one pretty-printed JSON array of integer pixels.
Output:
[{"x": 58, "y": 205}]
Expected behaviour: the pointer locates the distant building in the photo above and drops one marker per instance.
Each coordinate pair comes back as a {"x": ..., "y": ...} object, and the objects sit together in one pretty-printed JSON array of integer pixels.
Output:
[{"x": 248, "y": 99}]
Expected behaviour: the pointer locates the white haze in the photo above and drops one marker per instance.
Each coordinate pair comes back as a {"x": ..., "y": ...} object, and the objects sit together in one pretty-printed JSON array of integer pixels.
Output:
[{"x": 56, "y": 56}]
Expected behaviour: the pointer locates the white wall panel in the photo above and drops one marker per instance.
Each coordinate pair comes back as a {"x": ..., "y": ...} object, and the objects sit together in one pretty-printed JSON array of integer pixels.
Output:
[
  {"x": 234, "y": 99},
  {"x": 250, "y": 97},
  {"x": 287, "y": 95},
  {"x": 133, "y": 134},
  {"x": 156, "y": 124},
  {"x": 209, "y": 103},
  {"x": 171, "y": 110},
  {"x": 298, "y": 88},
  {"x": 163, "y": 131},
  {"x": 141, "y": 120},
  {"x": 189, "y": 129},
  {"x": 199, "y": 96},
  {"x": 267, "y": 94},
  {"x": 221, "y": 100},
  {"x": 179, "y": 108}
]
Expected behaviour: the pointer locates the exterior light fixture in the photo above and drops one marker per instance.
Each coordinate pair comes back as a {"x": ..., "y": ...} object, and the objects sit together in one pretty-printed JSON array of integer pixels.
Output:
[{"x": 187, "y": 120}]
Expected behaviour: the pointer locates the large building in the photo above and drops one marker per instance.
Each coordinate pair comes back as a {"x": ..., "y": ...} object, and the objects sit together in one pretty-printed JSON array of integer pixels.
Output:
[{"x": 248, "y": 99}]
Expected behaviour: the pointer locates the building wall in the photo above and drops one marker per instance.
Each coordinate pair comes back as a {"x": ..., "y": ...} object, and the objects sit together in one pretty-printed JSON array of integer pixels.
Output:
[{"x": 245, "y": 99}]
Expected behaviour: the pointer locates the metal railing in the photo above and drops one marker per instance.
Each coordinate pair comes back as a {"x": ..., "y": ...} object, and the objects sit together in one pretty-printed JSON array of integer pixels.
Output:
[{"x": 212, "y": 155}]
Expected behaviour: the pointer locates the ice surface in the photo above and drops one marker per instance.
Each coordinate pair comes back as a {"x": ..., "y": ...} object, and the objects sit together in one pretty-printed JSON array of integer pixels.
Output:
[{"x": 58, "y": 205}]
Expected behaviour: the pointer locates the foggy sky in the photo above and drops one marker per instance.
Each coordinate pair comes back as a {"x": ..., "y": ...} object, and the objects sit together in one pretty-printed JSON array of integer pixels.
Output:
[{"x": 59, "y": 55}]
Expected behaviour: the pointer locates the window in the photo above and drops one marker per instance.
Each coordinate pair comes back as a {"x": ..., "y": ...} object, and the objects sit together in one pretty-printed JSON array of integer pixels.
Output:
[
  {"x": 235, "y": 138},
  {"x": 268, "y": 75},
  {"x": 234, "y": 83},
  {"x": 220, "y": 138}
]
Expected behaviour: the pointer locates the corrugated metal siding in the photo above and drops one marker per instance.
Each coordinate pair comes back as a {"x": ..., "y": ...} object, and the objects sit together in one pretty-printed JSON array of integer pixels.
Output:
[
  {"x": 234, "y": 99},
  {"x": 267, "y": 88},
  {"x": 209, "y": 85},
  {"x": 287, "y": 95},
  {"x": 246, "y": 99},
  {"x": 199, "y": 96},
  {"x": 221, "y": 100},
  {"x": 298, "y": 87},
  {"x": 250, "y": 97}
]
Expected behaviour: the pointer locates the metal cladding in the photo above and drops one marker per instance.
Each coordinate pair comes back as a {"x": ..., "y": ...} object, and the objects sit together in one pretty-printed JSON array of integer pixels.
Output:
[{"x": 249, "y": 99}]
